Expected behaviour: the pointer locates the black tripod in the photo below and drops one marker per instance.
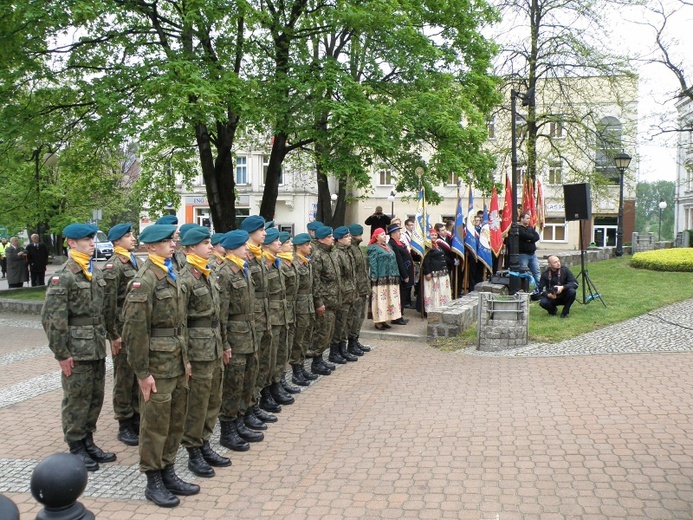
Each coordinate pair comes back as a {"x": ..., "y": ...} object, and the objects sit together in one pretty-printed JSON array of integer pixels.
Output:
[{"x": 584, "y": 279}]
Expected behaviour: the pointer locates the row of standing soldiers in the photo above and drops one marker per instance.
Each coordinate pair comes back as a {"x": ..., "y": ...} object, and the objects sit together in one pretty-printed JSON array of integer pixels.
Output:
[{"x": 199, "y": 334}]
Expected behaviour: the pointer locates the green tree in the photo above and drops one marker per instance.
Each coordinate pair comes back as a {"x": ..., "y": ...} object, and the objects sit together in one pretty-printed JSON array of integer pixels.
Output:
[{"x": 647, "y": 212}]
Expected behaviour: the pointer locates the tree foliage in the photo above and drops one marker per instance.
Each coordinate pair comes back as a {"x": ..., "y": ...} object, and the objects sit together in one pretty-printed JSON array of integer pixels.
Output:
[{"x": 647, "y": 213}]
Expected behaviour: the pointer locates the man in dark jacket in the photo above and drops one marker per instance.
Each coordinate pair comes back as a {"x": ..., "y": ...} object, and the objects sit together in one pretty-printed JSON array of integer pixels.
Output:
[
  {"x": 528, "y": 246},
  {"x": 37, "y": 257},
  {"x": 378, "y": 220},
  {"x": 557, "y": 287}
]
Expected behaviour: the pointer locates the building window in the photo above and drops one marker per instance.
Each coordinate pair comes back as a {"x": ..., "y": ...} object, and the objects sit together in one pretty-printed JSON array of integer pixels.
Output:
[
  {"x": 554, "y": 230},
  {"x": 608, "y": 146},
  {"x": 491, "y": 127},
  {"x": 265, "y": 167},
  {"x": 556, "y": 172},
  {"x": 453, "y": 179},
  {"x": 242, "y": 170},
  {"x": 556, "y": 130},
  {"x": 384, "y": 177}
]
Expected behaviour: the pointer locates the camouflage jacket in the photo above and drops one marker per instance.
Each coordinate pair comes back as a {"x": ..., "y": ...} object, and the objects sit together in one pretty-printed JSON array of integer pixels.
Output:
[
  {"x": 363, "y": 283},
  {"x": 326, "y": 277},
  {"x": 304, "y": 289},
  {"x": 276, "y": 292},
  {"x": 179, "y": 260},
  {"x": 240, "y": 327},
  {"x": 223, "y": 273},
  {"x": 347, "y": 273},
  {"x": 258, "y": 270},
  {"x": 291, "y": 284},
  {"x": 154, "y": 318},
  {"x": 72, "y": 314},
  {"x": 203, "y": 325},
  {"x": 117, "y": 272},
  {"x": 216, "y": 263}
]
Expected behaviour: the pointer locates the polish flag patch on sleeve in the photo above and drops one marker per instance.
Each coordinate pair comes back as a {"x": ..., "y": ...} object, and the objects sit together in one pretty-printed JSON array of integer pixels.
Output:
[
  {"x": 136, "y": 285},
  {"x": 55, "y": 279}
]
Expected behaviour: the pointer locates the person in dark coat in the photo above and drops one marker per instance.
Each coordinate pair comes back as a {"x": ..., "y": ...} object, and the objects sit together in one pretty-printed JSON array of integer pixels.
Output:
[
  {"x": 378, "y": 220},
  {"x": 557, "y": 286},
  {"x": 37, "y": 255},
  {"x": 17, "y": 272},
  {"x": 405, "y": 263}
]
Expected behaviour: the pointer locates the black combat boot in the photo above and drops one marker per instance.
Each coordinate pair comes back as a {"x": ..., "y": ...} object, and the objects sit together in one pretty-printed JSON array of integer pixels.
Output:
[
  {"x": 287, "y": 387},
  {"x": 126, "y": 433},
  {"x": 363, "y": 347},
  {"x": 267, "y": 402},
  {"x": 198, "y": 465},
  {"x": 95, "y": 452},
  {"x": 353, "y": 347},
  {"x": 252, "y": 422},
  {"x": 176, "y": 485},
  {"x": 246, "y": 433},
  {"x": 298, "y": 378},
  {"x": 229, "y": 437},
  {"x": 279, "y": 395},
  {"x": 212, "y": 457},
  {"x": 136, "y": 422},
  {"x": 335, "y": 356},
  {"x": 346, "y": 355},
  {"x": 77, "y": 449},
  {"x": 324, "y": 363},
  {"x": 307, "y": 375},
  {"x": 263, "y": 415},
  {"x": 319, "y": 368},
  {"x": 157, "y": 492}
]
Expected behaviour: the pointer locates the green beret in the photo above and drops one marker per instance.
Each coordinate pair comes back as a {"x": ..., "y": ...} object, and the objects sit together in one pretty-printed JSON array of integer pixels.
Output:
[
  {"x": 119, "y": 231},
  {"x": 315, "y": 225},
  {"x": 272, "y": 235},
  {"x": 234, "y": 239},
  {"x": 356, "y": 230},
  {"x": 216, "y": 238},
  {"x": 340, "y": 232},
  {"x": 185, "y": 227},
  {"x": 252, "y": 223},
  {"x": 301, "y": 238},
  {"x": 269, "y": 224},
  {"x": 157, "y": 233},
  {"x": 195, "y": 235},
  {"x": 284, "y": 236},
  {"x": 77, "y": 231},
  {"x": 167, "y": 220},
  {"x": 323, "y": 232}
]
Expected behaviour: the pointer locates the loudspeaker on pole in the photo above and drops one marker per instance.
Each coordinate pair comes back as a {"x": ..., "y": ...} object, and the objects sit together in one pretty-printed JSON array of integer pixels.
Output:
[{"x": 578, "y": 201}]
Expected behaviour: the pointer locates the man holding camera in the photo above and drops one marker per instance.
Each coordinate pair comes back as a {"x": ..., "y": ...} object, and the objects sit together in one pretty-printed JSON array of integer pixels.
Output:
[{"x": 557, "y": 286}]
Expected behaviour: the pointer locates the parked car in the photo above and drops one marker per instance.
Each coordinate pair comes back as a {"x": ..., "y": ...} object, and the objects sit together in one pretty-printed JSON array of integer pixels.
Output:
[{"x": 104, "y": 248}]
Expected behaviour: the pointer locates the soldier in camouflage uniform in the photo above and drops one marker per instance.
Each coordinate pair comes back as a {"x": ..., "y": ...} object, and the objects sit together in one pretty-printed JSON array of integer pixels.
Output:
[
  {"x": 363, "y": 290},
  {"x": 304, "y": 310},
  {"x": 178, "y": 257},
  {"x": 208, "y": 351},
  {"x": 118, "y": 271},
  {"x": 276, "y": 292},
  {"x": 72, "y": 316},
  {"x": 154, "y": 331},
  {"x": 218, "y": 252},
  {"x": 338, "y": 345},
  {"x": 326, "y": 297},
  {"x": 291, "y": 283},
  {"x": 238, "y": 405}
]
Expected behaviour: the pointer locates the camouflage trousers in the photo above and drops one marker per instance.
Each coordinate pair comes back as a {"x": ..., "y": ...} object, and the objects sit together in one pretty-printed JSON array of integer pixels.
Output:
[
  {"x": 240, "y": 376},
  {"x": 358, "y": 314},
  {"x": 285, "y": 337},
  {"x": 162, "y": 419},
  {"x": 126, "y": 391},
  {"x": 303, "y": 332},
  {"x": 266, "y": 356},
  {"x": 204, "y": 402},
  {"x": 323, "y": 332},
  {"x": 83, "y": 394},
  {"x": 341, "y": 322}
]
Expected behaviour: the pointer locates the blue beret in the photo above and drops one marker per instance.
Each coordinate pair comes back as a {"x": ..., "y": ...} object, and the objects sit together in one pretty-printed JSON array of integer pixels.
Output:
[
  {"x": 324, "y": 231},
  {"x": 216, "y": 238},
  {"x": 284, "y": 236},
  {"x": 356, "y": 230},
  {"x": 157, "y": 233},
  {"x": 315, "y": 225},
  {"x": 77, "y": 231},
  {"x": 301, "y": 238},
  {"x": 185, "y": 227},
  {"x": 119, "y": 231},
  {"x": 167, "y": 220},
  {"x": 234, "y": 239},
  {"x": 195, "y": 235},
  {"x": 272, "y": 235},
  {"x": 340, "y": 232},
  {"x": 269, "y": 224},
  {"x": 252, "y": 223}
]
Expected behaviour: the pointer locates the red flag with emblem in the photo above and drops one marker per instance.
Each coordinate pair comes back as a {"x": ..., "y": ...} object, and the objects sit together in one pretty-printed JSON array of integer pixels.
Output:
[
  {"x": 507, "y": 207},
  {"x": 528, "y": 204},
  {"x": 494, "y": 224}
]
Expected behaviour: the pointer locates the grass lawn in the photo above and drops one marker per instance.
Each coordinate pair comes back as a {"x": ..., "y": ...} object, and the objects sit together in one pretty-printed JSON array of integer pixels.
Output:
[
  {"x": 627, "y": 292},
  {"x": 36, "y": 294}
]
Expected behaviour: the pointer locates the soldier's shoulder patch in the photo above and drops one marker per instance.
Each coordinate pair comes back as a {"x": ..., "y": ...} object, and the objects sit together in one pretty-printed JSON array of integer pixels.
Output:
[
  {"x": 108, "y": 266},
  {"x": 55, "y": 279},
  {"x": 136, "y": 285},
  {"x": 123, "y": 259}
]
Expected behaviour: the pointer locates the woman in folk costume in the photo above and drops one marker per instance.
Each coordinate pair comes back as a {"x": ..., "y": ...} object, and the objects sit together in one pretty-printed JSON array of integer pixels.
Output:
[
  {"x": 436, "y": 276},
  {"x": 384, "y": 274}
]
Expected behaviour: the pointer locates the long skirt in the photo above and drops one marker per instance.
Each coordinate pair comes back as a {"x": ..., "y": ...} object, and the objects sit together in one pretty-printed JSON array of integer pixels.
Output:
[
  {"x": 437, "y": 291},
  {"x": 385, "y": 300}
]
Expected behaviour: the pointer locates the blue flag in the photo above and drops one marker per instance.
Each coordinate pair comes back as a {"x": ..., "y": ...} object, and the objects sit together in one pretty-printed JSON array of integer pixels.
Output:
[
  {"x": 470, "y": 238},
  {"x": 420, "y": 237},
  {"x": 483, "y": 247},
  {"x": 457, "y": 243}
]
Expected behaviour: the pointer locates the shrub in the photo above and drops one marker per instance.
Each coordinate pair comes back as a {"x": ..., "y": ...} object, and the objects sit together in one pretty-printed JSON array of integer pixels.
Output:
[{"x": 679, "y": 259}]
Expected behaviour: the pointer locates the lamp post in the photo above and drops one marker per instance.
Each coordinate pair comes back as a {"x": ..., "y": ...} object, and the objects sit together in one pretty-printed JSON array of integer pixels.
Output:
[
  {"x": 622, "y": 161},
  {"x": 391, "y": 198},
  {"x": 662, "y": 205}
]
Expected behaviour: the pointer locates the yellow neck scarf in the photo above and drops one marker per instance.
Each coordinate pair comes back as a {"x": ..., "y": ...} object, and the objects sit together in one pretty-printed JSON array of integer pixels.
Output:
[
  {"x": 304, "y": 258},
  {"x": 199, "y": 263},
  {"x": 159, "y": 261},
  {"x": 269, "y": 256},
  {"x": 220, "y": 257},
  {"x": 82, "y": 260},
  {"x": 288, "y": 256},
  {"x": 255, "y": 250}
]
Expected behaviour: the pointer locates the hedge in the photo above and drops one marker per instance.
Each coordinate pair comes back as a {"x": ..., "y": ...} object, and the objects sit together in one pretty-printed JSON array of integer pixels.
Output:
[{"x": 678, "y": 259}]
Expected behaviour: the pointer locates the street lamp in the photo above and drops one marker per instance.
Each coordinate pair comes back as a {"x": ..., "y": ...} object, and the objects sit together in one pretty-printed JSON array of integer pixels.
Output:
[
  {"x": 622, "y": 161},
  {"x": 662, "y": 205},
  {"x": 391, "y": 198}
]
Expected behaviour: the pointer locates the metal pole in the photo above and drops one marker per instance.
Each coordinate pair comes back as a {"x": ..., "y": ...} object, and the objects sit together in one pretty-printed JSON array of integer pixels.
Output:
[
  {"x": 514, "y": 235},
  {"x": 619, "y": 229},
  {"x": 659, "y": 235}
]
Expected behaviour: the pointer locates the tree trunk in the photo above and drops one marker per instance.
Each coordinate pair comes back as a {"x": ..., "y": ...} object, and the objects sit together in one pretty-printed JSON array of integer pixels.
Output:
[{"x": 274, "y": 171}]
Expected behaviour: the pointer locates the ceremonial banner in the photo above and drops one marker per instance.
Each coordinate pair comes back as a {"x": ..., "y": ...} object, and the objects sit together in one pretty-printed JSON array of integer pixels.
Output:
[{"x": 494, "y": 224}]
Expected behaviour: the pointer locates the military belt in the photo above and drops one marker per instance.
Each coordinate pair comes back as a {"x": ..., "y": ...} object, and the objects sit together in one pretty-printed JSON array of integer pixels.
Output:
[
  {"x": 241, "y": 317},
  {"x": 166, "y": 333},
  {"x": 205, "y": 323},
  {"x": 82, "y": 322},
  {"x": 260, "y": 294},
  {"x": 277, "y": 297},
  {"x": 304, "y": 292}
]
